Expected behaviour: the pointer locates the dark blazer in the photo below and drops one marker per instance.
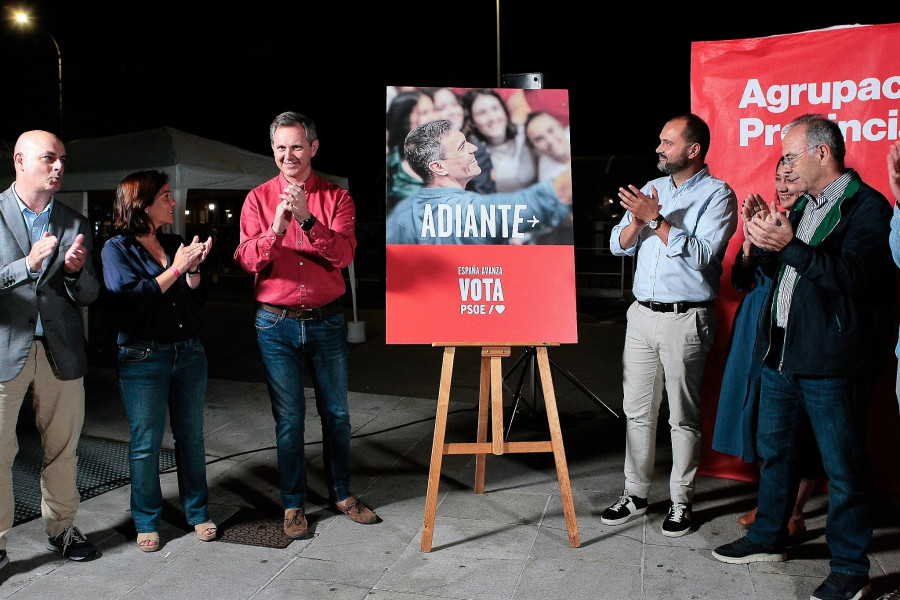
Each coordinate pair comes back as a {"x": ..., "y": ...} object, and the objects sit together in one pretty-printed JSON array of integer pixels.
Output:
[
  {"x": 56, "y": 294},
  {"x": 842, "y": 311}
]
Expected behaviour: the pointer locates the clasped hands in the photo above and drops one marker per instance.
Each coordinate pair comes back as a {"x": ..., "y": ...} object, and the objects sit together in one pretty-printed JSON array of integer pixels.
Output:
[
  {"x": 766, "y": 227},
  {"x": 188, "y": 258},
  {"x": 641, "y": 206},
  {"x": 292, "y": 206}
]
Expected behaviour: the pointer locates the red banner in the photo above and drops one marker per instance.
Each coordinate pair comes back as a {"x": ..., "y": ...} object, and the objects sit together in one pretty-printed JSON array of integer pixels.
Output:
[{"x": 747, "y": 90}]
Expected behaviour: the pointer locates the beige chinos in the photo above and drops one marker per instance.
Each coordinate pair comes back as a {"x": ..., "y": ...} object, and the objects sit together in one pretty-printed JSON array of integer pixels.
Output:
[
  {"x": 59, "y": 415},
  {"x": 678, "y": 344}
]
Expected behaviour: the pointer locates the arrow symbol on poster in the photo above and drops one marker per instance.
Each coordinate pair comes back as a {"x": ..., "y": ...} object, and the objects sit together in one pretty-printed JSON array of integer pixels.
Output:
[{"x": 534, "y": 221}]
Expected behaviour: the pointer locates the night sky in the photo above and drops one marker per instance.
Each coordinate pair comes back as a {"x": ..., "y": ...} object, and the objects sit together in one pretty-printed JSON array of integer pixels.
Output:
[{"x": 225, "y": 74}]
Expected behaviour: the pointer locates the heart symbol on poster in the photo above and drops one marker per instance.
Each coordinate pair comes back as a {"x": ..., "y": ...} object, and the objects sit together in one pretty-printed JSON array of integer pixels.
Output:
[{"x": 500, "y": 308}]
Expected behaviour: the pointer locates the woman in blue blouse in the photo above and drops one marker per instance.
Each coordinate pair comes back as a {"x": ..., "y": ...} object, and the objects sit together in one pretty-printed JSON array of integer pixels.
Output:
[
  {"x": 736, "y": 416},
  {"x": 154, "y": 278}
]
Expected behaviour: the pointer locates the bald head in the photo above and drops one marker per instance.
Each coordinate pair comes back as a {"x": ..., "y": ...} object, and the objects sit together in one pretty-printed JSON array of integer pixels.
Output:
[
  {"x": 36, "y": 139},
  {"x": 40, "y": 163}
]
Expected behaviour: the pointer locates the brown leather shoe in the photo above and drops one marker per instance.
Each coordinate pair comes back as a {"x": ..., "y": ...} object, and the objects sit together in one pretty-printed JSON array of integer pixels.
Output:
[
  {"x": 356, "y": 510},
  {"x": 746, "y": 519},
  {"x": 295, "y": 524}
]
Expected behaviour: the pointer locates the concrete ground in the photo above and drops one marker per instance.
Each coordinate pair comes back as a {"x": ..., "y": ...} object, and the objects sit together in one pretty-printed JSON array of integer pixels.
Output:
[{"x": 508, "y": 544}]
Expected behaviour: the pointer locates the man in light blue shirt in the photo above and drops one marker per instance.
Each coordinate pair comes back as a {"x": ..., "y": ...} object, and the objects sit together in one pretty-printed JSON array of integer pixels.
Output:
[
  {"x": 38, "y": 225},
  {"x": 679, "y": 227},
  {"x": 444, "y": 212}
]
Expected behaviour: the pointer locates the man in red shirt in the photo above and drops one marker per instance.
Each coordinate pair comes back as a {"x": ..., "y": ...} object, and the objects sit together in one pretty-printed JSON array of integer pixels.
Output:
[{"x": 297, "y": 233}]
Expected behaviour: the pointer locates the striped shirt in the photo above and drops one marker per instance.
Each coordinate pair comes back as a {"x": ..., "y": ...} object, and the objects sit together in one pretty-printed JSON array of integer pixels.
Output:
[{"x": 812, "y": 217}]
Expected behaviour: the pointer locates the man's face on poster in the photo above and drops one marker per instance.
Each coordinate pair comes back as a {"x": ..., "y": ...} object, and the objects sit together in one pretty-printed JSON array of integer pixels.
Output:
[
  {"x": 548, "y": 137},
  {"x": 459, "y": 163}
]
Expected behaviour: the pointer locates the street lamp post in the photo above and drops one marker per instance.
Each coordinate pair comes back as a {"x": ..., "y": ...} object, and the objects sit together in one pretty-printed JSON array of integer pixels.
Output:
[{"x": 25, "y": 20}]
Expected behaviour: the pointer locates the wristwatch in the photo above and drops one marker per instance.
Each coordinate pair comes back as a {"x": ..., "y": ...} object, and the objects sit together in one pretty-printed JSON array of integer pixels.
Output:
[
  {"x": 655, "y": 223},
  {"x": 307, "y": 223}
]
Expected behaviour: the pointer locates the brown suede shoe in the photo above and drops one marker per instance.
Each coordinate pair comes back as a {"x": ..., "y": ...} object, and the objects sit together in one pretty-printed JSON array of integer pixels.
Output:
[
  {"x": 356, "y": 510},
  {"x": 746, "y": 519},
  {"x": 295, "y": 524}
]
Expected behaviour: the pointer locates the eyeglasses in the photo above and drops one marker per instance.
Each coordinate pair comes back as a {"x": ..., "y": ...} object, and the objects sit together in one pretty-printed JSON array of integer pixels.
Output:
[{"x": 791, "y": 161}]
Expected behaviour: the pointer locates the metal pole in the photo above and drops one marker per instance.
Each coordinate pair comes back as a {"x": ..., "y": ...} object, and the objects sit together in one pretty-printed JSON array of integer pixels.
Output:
[
  {"x": 59, "y": 60},
  {"x": 498, "y": 43}
]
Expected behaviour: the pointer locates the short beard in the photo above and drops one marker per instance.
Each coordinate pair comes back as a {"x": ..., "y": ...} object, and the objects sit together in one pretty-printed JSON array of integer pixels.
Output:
[{"x": 671, "y": 167}]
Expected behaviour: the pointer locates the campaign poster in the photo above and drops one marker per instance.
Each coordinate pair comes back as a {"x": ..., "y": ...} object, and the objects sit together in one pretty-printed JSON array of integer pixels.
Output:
[
  {"x": 747, "y": 90},
  {"x": 479, "y": 233}
]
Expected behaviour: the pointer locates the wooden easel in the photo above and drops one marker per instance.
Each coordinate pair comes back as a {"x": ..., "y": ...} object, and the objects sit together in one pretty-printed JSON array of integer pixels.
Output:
[{"x": 492, "y": 387}]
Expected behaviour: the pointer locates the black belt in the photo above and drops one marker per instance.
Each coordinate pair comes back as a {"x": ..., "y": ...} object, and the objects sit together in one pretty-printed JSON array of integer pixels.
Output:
[
  {"x": 675, "y": 307},
  {"x": 303, "y": 314}
]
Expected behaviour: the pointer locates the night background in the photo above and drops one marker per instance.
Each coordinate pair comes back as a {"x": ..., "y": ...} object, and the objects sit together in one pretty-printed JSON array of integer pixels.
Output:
[{"x": 224, "y": 74}]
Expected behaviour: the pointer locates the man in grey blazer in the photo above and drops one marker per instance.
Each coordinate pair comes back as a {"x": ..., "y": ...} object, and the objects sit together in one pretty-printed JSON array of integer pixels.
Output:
[{"x": 46, "y": 274}]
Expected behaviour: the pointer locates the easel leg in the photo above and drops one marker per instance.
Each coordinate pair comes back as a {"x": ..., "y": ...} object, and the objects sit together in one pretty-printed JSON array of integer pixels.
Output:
[
  {"x": 484, "y": 390},
  {"x": 497, "y": 405},
  {"x": 437, "y": 449},
  {"x": 559, "y": 454}
]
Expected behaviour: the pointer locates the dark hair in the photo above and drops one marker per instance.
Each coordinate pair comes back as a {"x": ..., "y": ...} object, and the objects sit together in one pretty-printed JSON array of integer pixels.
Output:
[
  {"x": 423, "y": 146},
  {"x": 134, "y": 195},
  {"x": 696, "y": 131},
  {"x": 778, "y": 164},
  {"x": 820, "y": 130},
  {"x": 468, "y": 100},
  {"x": 397, "y": 117},
  {"x": 290, "y": 119}
]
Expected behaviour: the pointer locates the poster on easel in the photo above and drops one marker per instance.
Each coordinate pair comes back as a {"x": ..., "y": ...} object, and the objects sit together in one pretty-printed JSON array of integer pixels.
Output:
[
  {"x": 479, "y": 233},
  {"x": 747, "y": 90}
]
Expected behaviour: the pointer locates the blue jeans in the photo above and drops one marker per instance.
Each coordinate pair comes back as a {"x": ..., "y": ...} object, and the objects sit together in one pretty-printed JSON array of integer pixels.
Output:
[
  {"x": 152, "y": 378},
  {"x": 837, "y": 408},
  {"x": 286, "y": 346}
]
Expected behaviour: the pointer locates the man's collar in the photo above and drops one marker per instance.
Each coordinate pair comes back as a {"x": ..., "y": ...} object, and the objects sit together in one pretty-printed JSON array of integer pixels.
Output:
[
  {"x": 692, "y": 179},
  {"x": 23, "y": 207},
  {"x": 308, "y": 184}
]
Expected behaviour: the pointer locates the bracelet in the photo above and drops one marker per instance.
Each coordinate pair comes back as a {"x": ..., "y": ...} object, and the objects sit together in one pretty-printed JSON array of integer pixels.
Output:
[
  {"x": 193, "y": 273},
  {"x": 174, "y": 270}
]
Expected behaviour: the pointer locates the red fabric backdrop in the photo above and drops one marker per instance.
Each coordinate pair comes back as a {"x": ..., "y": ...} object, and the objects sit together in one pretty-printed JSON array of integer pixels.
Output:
[{"x": 747, "y": 90}]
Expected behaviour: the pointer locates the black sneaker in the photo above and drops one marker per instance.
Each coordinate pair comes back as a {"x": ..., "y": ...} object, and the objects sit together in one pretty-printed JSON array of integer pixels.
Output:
[
  {"x": 745, "y": 551},
  {"x": 678, "y": 521},
  {"x": 626, "y": 508},
  {"x": 72, "y": 544},
  {"x": 841, "y": 586},
  {"x": 4, "y": 559}
]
